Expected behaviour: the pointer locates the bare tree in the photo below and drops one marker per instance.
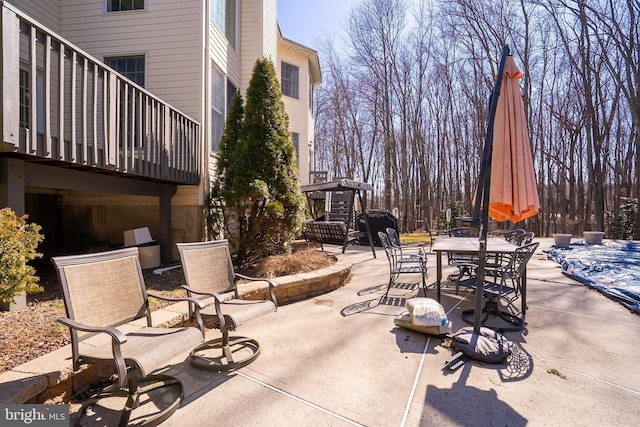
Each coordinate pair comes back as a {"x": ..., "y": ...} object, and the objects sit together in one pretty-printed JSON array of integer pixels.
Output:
[{"x": 405, "y": 107}]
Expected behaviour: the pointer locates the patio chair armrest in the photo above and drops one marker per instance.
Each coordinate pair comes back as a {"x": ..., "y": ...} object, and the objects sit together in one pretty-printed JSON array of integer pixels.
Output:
[
  {"x": 271, "y": 283},
  {"x": 414, "y": 245},
  {"x": 195, "y": 305},
  {"x": 115, "y": 333},
  {"x": 199, "y": 304},
  {"x": 253, "y": 279},
  {"x": 215, "y": 295},
  {"x": 117, "y": 339},
  {"x": 218, "y": 300},
  {"x": 419, "y": 250}
]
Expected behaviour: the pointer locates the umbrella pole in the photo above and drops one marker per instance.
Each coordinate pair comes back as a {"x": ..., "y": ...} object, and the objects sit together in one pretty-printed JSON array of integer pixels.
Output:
[{"x": 482, "y": 193}]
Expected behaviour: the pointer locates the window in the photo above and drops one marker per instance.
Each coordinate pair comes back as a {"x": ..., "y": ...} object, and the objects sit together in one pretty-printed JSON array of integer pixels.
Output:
[
  {"x": 217, "y": 13},
  {"x": 231, "y": 22},
  {"x": 223, "y": 13},
  {"x": 24, "y": 99},
  {"x": 289, "y": 80},
  {"x": 132, "y": 67},
  {"x": 295, "y": 138},
  {"x": 124, "y": 5},
  {"x": 218, "y": 103},
  {"x": 231, "y": 91}
]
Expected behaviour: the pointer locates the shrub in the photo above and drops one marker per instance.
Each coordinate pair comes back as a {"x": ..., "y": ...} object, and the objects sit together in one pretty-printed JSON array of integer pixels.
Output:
[{"x": 18, "y": 243}]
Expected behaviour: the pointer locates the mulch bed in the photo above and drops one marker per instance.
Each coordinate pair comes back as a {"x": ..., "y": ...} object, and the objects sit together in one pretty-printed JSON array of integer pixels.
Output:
[{"x": 33, "y": 332}]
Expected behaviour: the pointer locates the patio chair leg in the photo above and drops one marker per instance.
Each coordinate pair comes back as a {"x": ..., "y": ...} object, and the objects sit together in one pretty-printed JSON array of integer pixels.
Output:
[
  {"x": 249, "y": 347},
  {"x": 135, "y": 388},
  {"x": 388, "y": 288},
  {"x": 424, "y": 284}
]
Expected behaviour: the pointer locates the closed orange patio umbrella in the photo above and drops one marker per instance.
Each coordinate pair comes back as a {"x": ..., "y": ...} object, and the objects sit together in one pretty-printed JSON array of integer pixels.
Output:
[
  {"x": 513, "y": 194},
  {"x": 506, "y": 183},
  {"x": 506, "y": 190}
]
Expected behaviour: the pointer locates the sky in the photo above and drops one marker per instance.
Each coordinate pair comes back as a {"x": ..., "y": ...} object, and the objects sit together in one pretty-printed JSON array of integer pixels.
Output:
[{"x": 308, "y": 21}]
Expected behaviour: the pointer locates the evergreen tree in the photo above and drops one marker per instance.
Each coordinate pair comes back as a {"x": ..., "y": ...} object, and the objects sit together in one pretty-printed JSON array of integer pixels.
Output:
[
  {"x": 258, "y": 171},
  {"x": 230, "y": 144},
  {"x": 223, "y": 187}
]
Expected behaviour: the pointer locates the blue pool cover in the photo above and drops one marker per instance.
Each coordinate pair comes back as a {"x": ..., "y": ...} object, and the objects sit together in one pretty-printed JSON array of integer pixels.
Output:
[{"x": 612, "y": 268}]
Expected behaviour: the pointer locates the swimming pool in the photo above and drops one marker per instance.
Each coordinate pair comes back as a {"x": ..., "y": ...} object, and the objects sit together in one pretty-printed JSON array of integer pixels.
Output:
[{"x": 612, "y": 268}]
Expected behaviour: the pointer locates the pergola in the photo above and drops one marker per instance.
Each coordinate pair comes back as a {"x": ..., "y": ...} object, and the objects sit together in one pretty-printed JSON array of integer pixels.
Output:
[{"x": 347, "y": 186}]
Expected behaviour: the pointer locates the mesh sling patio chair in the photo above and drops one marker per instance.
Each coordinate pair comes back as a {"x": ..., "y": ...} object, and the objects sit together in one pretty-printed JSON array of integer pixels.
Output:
[
  {"x": 396, "y": 268},
  {"x": 102, "y": 292},
  {"x": 209, "y": 272},
  {"x": 508, "y": 287}
]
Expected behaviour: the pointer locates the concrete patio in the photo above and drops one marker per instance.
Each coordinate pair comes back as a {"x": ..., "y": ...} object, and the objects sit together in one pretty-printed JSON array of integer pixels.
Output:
[{"x": 338, "y": 359}]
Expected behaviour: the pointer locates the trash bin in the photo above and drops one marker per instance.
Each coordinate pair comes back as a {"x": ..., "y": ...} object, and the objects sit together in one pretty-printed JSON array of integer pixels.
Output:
[
  {"x": 148, "y": 249},
  {"x": 379, "y": 220}
]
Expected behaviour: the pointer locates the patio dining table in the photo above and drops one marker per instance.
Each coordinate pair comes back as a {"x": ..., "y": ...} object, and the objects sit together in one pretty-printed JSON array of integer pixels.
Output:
[{"x": 471, "y": 245}]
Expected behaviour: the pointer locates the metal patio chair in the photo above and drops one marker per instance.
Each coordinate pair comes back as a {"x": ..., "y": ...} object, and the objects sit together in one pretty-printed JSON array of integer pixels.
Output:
[
  {"x": 396, "y": 268},
  {"x": 209, "y": 272},
  {"x": 508, "y": 287},
  {"x": 459, "y": 260},
  {"x": 103, "y": 292},
  {"x": 524, "y": 238},
  {"x": 512, "y": 235},
  {"x": 408, "y": 253}
]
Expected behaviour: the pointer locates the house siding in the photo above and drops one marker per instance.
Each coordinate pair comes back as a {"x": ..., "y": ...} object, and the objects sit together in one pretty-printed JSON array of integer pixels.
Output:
[
  {"x": 301, "y": 120},
  {"x": 270, "y": 30},
  {"x": 47, "y": 12},
  {"x": 225, "y": 57},
  {"x": 258, "y": 34},
  {"x": 173, "y": 66}
]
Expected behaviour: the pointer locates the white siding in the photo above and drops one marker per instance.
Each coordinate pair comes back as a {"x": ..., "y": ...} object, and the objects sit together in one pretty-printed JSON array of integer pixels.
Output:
[
  {"x": 47, "y": 12},
  {"x": 168, "y": 33},
  {"x": 300, "y": 117},
  {"x": 270, "y": 30},
  {"x": 258, "y": 35},
  {"x": 225, "y": 57}
]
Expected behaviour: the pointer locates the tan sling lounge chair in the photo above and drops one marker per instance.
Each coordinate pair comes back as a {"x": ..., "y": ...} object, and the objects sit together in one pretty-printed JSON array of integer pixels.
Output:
[
  {"x": 102, "y": 292},
  {"x": 209, "y": 272}
]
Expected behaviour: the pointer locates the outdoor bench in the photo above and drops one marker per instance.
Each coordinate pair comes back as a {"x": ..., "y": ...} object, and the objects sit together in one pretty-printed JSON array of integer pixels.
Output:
[{"x": 329, "y": 232}]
